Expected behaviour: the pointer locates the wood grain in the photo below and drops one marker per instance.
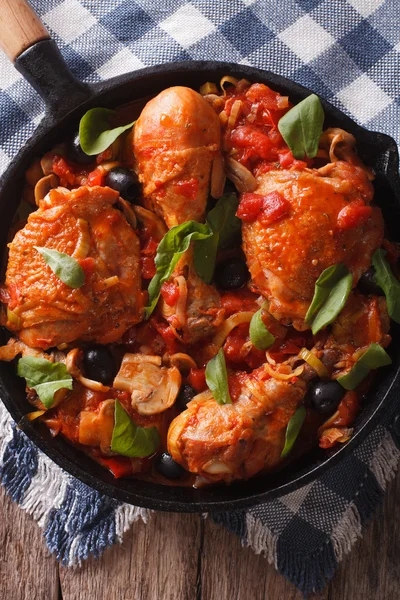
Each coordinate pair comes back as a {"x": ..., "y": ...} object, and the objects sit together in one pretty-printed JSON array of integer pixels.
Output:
[
  {"x": 20, "y": 27},
  {"x": 182, "y": 557},
  {"x": 27, "y": 570},
  {"x": 157, "y": 561}
]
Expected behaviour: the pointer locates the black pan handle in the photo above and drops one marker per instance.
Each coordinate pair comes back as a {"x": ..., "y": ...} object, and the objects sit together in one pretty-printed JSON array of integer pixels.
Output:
[{"x": 27, "y": 43}]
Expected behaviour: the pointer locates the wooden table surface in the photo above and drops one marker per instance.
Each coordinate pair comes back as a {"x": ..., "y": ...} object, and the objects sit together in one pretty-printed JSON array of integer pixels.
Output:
[{"x": 183, "y": 557}]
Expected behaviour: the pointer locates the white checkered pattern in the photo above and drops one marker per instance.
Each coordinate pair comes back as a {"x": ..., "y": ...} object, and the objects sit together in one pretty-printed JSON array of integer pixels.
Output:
[{"x": 347, "y": 51}]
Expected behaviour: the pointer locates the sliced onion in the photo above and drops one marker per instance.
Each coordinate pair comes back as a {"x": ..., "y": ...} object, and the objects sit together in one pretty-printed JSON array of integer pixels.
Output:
[
  {"x": 105, "y": 284},
  {"x": 208, "y": 88},
  {"x": 314, "y": 363},
  {"x": 13, "y": 318},
  {"x": 283, "y": 376},
  {"x": 180, "y": 308},
  {"x": 241, "y": 177},
  {"x": 83, "y": 245},
  {"x": 217, "y": 102},
  {"x": 228, "y": 79},
  {"x": 223, "y": 117},
  {"x": 34, "y": 415},
  {"x": 234, "y": 114},
  {"x": 226, "y": 327}
]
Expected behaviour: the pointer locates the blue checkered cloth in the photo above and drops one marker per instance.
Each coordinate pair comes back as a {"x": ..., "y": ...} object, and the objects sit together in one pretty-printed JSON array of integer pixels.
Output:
[{"x": 347, "y": 51}]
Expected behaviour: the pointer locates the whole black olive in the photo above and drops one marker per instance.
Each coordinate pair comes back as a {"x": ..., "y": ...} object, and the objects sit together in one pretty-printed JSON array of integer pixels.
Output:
[
  {"x": 75, "y": 152},
  {"x": 125, "y": 182},
  {"x": 186, "y": 393},
  {"x": 324, "y": 396},
  {"x": 99, "y": 364},
  {"x": 166, "y": 465},
  {"x": 367, "y": 284},
  {"x": 231, "y": 274}
]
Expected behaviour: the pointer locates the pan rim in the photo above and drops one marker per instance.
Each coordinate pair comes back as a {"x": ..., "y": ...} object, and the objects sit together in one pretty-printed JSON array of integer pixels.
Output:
[{"x": 143, "y": 499}]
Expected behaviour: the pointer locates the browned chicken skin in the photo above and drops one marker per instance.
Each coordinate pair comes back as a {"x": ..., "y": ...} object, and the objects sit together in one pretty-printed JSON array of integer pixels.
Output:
[
  {"x": 236, "y": 441},
  {"x": 176, "y": 141},
  {"x": 286, "y": 258},
  {"x": 84, "y": 224}
]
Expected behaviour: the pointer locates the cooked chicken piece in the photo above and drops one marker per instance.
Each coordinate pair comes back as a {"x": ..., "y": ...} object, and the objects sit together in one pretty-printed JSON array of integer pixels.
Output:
[
  {"x": 15, "y": 347},
  {"x": 84, "y": 224},
  {"x": 197, "y": 311},
  {"x": 153, "y": 388},
  {"x": 363, "y": 321},
  {"x": 177, "y": 145},
  {"x": 286, "y": 256},
  {"x": 236, "y": 441}
]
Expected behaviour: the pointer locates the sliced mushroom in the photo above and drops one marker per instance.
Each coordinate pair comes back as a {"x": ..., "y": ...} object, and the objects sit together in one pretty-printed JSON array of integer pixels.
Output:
[
  {"x": 153, "y": 388},
  {"x": 34, "y": 173},
  {"x": 151, "y": 221},
  {"x": 128, "y": 211},
  {"x": 46, "y": 161},
  {"x": 96, "y": 428},
  {"x": 72, "y": 363},
  {"x": 241, "y": 177},
  {"x": 218, "y": 177},
  {"x": 181, "y": 361},
  {"x": 44, "y": 185}
]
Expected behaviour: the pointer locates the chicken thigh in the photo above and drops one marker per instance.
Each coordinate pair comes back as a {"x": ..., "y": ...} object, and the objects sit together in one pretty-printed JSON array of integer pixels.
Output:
[
  {"x": 320, "y": 226},
  {"x": 84, "y": 224}
]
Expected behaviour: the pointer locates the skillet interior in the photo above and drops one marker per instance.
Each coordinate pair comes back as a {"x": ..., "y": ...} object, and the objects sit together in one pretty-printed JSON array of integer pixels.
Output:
[{"x": 377, "y": 150}]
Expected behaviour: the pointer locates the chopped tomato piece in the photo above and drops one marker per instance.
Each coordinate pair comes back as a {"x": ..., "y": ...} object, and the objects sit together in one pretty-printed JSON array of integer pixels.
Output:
[
  {"x": 269, "y": 208},
  {"x": 354, "y": 214},
  {"x": 249, "y": 136},
  {"x": 197, "y": 379},
  {"x": 275, "y": 207},
  {"x": 234, "y": 302},
  {"x": 150, "y": 247},
  {"x": 63, "y": 170},
  {"x": 148, "y": 267},
  {"x": 170, "y": 292},
  {"x": 250, "y": 207},
  {"x": 119, "y": 467},
  {"x": 235, "y": 386},
  {"x": 286, "y": 159},
  {"x": 259, "y": 92},
  {"x": 96, "y": 177},
  {"x": 347, "y": 409}
]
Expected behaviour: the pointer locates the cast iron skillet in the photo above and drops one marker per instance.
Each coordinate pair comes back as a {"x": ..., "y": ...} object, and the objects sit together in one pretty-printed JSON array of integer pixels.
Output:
[{"x": 66, "y": 100}]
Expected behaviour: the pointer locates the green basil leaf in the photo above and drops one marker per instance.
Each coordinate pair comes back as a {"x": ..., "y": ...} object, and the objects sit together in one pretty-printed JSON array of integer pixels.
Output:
[
  {"x": 260, "y": 337},
  {"x": 217, "y": 378},
  {"x": 332, "y": 289},
  {"x": 174, "y": 243},
  {"x": 95, "y": 134},
  {"x": 128, "y": 439},
  {"x": 44, "y": 377},
  {"x": 226, "y": 226},
  {"x": 204, "y": 257},
  {"x": 301, "y": 127},
  {"x": 293, "y": 430},
  {"x": 64, "y": 266},
  {"x": 386, "y": 279},
  {"x": 373, "y": 358}
]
